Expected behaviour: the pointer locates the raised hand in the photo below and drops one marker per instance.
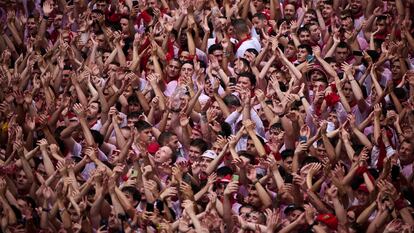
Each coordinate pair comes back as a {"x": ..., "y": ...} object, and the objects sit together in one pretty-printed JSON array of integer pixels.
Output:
[{"x": 79, "y": 110}]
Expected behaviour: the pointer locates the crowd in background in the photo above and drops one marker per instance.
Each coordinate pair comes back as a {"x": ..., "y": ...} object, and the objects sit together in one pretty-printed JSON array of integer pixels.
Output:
[{"x": 207, "y": 116}]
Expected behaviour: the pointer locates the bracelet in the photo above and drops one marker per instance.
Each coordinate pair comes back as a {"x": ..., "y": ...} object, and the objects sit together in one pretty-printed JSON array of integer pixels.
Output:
[
  {"x": 255, "y": 182},
  {"x": 351, "y": 80},
  {"x": 47, "y": 210},
  {"x": 302, "y": 97},
  {"x": 45, "y": 17}
]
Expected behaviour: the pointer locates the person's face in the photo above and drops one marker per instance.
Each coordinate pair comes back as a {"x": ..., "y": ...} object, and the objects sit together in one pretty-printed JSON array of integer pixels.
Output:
[
  {"x": 406, "y": 152},
  {"x": 250, "y": 146},
  {"x": 194, "y": 153},
  {"x": 57, "y": 21},
  {"x": 219, "y": 55},
  {"x": 23, "y": 205},
  {"x": 131, "y": 121},
  {"x": 114, "y": 222},
  {"x": 356, "y": 6},
  {"x": 204, "y": 162},
  {"x": 173, "y": 69},
  {"x": 100, "y": 39},
  {"x": 195, "y": 134},
  {"x": 315, "y": 33},
  {"x": 216, "y": 109},
  {"x": 347, "y": 23},
  {"x": 258, "y": 23},
  {"x": 163, "y": 155},
  {"x": 327, "y": 11},
  {"x": 258, "y": 4},
  {"x": 244, "y": 82},
  {"x": 287, "y": 164},
  {"x": 152, "y": 3},
  {"x": 21, "y": 180},
  {"x": 334, "y": 119},
  {"x": 347, "y": 90},
  {"x": 304, "y": 37},
  {"x": 249, "y": 56},
  {"x": 293, "y": 215},
  {"x": 255, "y": 218},
  {"x": 101, "y": 5},
  {"x": 362, "y": 197},
  {"x": 308, "y": 17},
  {"x": 319, "y": 86},
  {"x": 341, "y": 54},
  {"x": 134, "y": 107},
  {"x": 290, "y": 51},
  {"x": 290, "y": 12},
  {"x": 124, "y": 25},
  {"x": 187, "y": 70},
  {"x": 253, "y": 198},
  {"x": 105, "y": 56},
  {"x": 245, "y": 212},
  {"x": 316, "y": 75},
  {"x": 31, "y": 24},
  {"x": 239, "y": 67},
  {"x": 145, "y": 136},
  {"x": 42, "y": 171},
  {"x": 380, "y": 25},
  {"x": 184, "y": 56},
  {"x": 351, "y": 216},
  {"x": 130, "y": 198},
  {"x": 93, "y": 110},
  {"x": 396, "y": 69},
  {"x": 173, "y": 143},
  {"x": 301, "y": 55}
]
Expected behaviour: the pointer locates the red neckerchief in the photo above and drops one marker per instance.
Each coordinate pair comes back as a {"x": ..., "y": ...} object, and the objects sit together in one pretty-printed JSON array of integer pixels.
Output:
[{"x": 237, "y": 46}]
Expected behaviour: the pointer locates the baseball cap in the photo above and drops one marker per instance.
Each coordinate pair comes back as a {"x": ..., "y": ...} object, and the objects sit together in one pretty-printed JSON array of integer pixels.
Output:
[
  {"x": 209, "y": 154},
  {"x": 328, "y": 219}
]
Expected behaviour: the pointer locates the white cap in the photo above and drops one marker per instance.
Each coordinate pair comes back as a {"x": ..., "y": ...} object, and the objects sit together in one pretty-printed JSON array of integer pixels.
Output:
[{"x": 209, "y": 154}]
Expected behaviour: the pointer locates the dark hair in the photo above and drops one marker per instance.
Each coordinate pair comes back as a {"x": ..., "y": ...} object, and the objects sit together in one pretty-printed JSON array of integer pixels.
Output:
[
  {"x": 287, "y": 153},
  {"x": 231, "y": 100},
  {"x": 200, "y": 144},
  {"x": 142, "y": 125},
  {"x": 133, "y": 99},
  {"x": 307, "y": 47},
  {"x": 164, "y": 137},
  {"x": 97, "y": 136},
  {"x": 225, "y": 129},
  {"x": 240, "y": 26},
  {"x": 248, "y": 155},
  {"x": 342, "y": 44},
  {"x": 252, "y": 50},
  {"x": 276, "y": 126},
  {"x": 136, "y": 195},
  {"x": 260, "y": 16},
  {"x": 330, "y": 59},
  {"x": 214, "y": 48},
  {"x": 250, "y": 76},
  {"x": 223, "y": 171},
  {"x": 303, "y": 29}
]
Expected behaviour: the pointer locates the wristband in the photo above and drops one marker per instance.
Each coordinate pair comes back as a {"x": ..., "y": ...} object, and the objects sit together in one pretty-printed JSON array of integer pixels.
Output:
[{"x": 45, "y": 17}]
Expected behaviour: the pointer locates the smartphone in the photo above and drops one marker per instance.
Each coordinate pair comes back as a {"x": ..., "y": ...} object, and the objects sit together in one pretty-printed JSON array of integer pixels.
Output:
[
  {"x": 150, "y": 207},
  {"x": 235, "y": 178},
  {"x": 310, "y": 58},
  {"x": 357, "y": 53},
  {"x": 303, "y": 139},
  {"x": 232, "y": 81}
]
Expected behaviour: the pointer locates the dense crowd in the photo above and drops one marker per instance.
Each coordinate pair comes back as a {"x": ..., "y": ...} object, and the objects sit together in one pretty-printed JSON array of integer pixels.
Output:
[{"x": 207, "y": 116}]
